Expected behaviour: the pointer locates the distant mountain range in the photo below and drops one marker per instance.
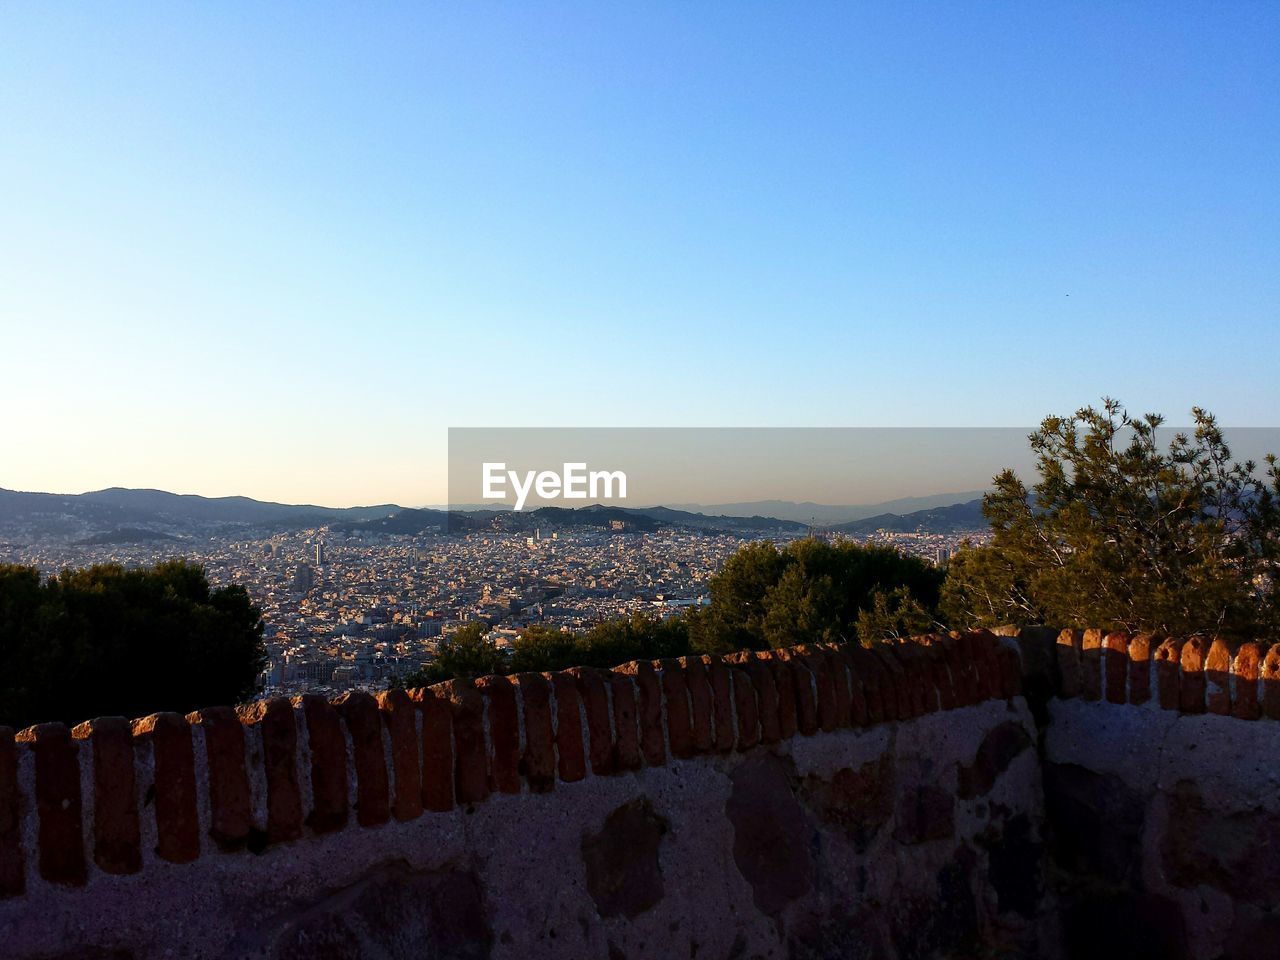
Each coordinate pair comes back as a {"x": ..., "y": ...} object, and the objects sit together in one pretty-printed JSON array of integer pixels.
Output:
[
  {"x": 955, "y": 518},
  {"x": 134, "y": 514},
  {"x": 120, "y": 515},
  {"x": 822, "y": 514}
]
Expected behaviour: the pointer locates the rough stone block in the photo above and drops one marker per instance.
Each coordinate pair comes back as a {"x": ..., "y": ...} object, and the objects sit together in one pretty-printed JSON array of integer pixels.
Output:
[
  {"x": 328, "y": 749},
  {"x": 1247, "y": 670},
  {"x": 177, "y": 823},
  {"x": 1169, "y": 673},
  {"x": 1115, "y": 662},
  {"x": 1091, "y": 664},
  {"x": 277, "y": 724},
  {"x": 471, "y": 756},
  {"x": 230, "y": 807},
  {"x": 626, "y": 743},
  {"x": 649, "y": 710},
  {"x": 538, "y": 760},
  {"x": 1069, "y": 668},
  {"x": 12, "y": 862},
  {"x": 1140, "y": 668},
  {"x": 504, "y": 733},
  {"x": 695, "y": 674},
  {"x": 595, "y": 700},
  {"x": 437, "y": 749},
  {"x": 359, "y": 712},
  {"x": 59, "y": 839},
  {"x": 747, "y": 708},
  {"x": 400, "y": 717},
  {"x": 721, "y": 703},
  {"x": 1271, "y": 683},
  {"x": 675, "y": 691},
  {"x": 1191, "y": 690},
  {"x": 1217, "y": 675},
  {"x": 573, "y": 760}
]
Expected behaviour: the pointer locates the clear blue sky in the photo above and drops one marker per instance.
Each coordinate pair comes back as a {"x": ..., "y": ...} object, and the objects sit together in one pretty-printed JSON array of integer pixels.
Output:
[{"x": 277, "y": 249}]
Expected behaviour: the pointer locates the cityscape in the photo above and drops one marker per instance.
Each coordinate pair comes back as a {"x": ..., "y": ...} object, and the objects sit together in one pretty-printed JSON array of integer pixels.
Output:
[{"x": 348, "y": 609}]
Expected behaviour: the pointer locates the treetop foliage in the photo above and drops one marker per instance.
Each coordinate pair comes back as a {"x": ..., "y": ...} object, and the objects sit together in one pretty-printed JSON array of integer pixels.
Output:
[
  {"x": 1123, "y": 532},
  {"x": 106, "y": 641}
]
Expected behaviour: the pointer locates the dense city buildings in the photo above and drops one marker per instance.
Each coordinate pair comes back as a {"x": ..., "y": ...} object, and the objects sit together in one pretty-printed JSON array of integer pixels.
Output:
[{"x": 345, "y": 610}]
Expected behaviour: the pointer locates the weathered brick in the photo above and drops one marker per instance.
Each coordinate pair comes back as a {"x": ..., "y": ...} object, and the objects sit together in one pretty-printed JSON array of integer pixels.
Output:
[
  {"x": 328, "y": 749},
  {"x": 1070, "y": 669},
  {"x": 117, "y": 840},
  {"x": 1217, "y": 674},
  {"x": 824, "y": 686},
  {"x": 675, "y": 692},
  {"x": 695, "y": 676},
  {"x": 649, "y": 707},
  {"x": 763, "y": 682},
  {"x": 964, "y": 681},
  {"x": 1140, "y": 668},
  {"x": 437, "y": 749},
  {"x": 935, "y": 670},
  {"x": 986, "y": 644},
  {"x": 1010, "y": 670},
  {"x": 173, "y": 756},
  {"x": 920, "y": 685},
  {"x": 504, "y": 733},
  {"x": 806, "y": 693},
  {"x": 1115, "y": 659},
  {"x": 858, "y": 717},
  {"x": 60, "y": 840},
  {"x": 12, "y": 863},
  {"x": 1247, "y": 669},
  {"x": 626, "y": 743},
  {"x": 538, "y": 761},
  {"x": 1192, "y": 690},
  {"x": 471, "y": 759},
  {"x": 278, "y": 728},
  {"x": 840, "y": 682},
  {"x": 721, "y": 703},
  {"x": 1169, "y": 673},
  {"x": 868, "y": 673},
  {"x": 1091, "y": 664},
  {"x": 595, "y": 702},
  {"x": 897, "y": 683},
  {"x": 746, "y": 706},
  {"x": 230, "y": 807},
  {"x": 1271, "y": 683},
  {"x": 784, "y": 682},
  {"x": 573, "y": 761},
  {"x": 359, "y": 712},
  {"x": 400, "y": 717}
]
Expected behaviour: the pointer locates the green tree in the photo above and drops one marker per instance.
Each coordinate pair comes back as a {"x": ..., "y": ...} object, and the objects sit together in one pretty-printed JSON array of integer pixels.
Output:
[
  {"x": 540, "y": 648},
  {"x": 894, "y": 615},
  {"x": 467, "y": 653},
  {"x": 1123, "y": 532},
  {"x": 810, "y": 591},
  {"x": 638, "y": 637},
  {"x": 106, "y": 641}
]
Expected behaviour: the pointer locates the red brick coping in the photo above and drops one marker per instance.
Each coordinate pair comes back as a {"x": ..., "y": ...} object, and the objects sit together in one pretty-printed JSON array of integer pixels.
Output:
[
  {"x": 1189, "y": 675},
  {"x": 113, "y": 796}
]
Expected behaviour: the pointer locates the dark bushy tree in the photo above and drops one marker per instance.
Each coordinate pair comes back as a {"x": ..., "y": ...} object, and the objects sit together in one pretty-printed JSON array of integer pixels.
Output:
[
  {"x": 1124, "y": 533},
  {"x": 106, "y": 641},
  {"x": 810, "y": 591},
  {"x": 468, "y": 652}
]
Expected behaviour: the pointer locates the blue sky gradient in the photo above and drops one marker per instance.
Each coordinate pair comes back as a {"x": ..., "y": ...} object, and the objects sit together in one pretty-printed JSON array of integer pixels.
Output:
[{"x": 278, "y": 249}]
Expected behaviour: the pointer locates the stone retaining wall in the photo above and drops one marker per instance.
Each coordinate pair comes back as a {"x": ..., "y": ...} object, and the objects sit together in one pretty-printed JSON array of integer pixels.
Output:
[
  {"x": 1162, "y": 780},
  {"x": 804, "y": 802}
]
